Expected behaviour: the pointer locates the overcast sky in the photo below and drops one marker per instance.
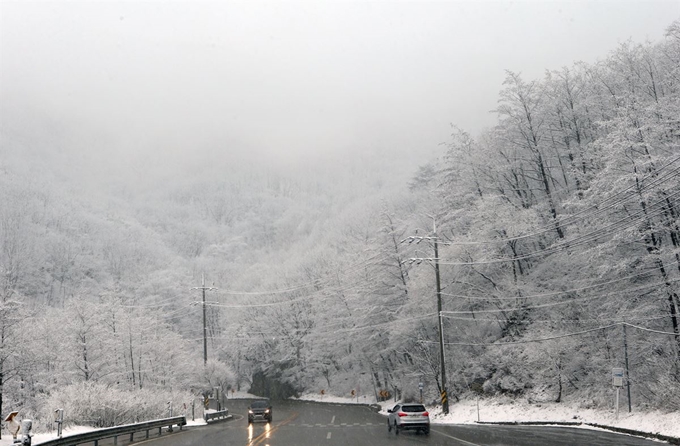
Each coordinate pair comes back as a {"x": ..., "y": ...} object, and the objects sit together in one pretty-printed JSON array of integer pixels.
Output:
[{"x": 296, "y": 77}]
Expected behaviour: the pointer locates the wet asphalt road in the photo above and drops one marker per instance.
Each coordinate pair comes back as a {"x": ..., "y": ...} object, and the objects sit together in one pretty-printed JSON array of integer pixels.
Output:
[{"x": 314, "y": 424}]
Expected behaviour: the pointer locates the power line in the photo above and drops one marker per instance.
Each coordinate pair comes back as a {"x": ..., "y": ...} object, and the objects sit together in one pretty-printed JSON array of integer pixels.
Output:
[
  {"x": 650, "y": 330},
  {"x": 551, "y": 338},
  {"x": 527, "y": 341},
  {"x": 563, "y": 321},
  {"x": 371, "y": 261},
  {"x": 553, "y": 304},
  {"x": 554, "y": 293},
  {"x": 322, "y": 294}
]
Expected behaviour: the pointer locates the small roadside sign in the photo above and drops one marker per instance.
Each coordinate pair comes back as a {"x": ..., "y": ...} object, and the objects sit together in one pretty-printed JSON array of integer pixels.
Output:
[{"x": 617, "y": 376}]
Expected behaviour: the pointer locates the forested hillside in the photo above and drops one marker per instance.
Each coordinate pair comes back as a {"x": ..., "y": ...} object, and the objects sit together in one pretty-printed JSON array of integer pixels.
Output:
[{"x": 554, "y": 228}]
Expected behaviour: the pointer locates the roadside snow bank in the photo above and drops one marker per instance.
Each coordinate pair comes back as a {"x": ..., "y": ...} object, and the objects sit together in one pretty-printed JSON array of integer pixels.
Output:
[
  {"x": 335, "y": 399},
  {"x": 496, "y": 410},
  {"x": 465, "y": 412}
]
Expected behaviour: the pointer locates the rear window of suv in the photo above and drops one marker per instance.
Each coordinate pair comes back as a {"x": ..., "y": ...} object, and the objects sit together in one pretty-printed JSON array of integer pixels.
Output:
[{"x": 413, "y": 408}]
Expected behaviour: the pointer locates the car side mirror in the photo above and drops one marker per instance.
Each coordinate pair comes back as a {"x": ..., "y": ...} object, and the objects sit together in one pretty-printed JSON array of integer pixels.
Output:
[{"x": 389, "y": 411}]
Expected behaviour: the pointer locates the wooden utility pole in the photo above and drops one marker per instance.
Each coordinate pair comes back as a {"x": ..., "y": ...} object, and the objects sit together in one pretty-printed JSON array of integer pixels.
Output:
[
  {"x": 625, "y": 352},
  {"x": 445, "y": 397},
  {"x": 205, "y": 326}
]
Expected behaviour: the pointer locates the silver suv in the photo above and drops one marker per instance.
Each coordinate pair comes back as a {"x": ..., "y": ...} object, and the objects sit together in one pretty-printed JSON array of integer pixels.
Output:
[{"x": 408, "y": 416}]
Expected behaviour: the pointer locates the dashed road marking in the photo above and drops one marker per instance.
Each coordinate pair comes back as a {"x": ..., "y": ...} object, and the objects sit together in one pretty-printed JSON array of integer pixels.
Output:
[{"x": 328, "y": 437}]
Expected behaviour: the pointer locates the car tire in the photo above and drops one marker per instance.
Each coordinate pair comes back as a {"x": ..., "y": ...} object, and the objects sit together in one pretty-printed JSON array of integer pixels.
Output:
[
  {"x": 389, "y": 426},
  {"x": 426, "y": 431},
  {"x": 396, "y": 428}
]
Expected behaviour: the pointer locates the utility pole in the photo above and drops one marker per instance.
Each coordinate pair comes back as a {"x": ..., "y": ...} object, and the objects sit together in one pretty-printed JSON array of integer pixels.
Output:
[
  {"x": 625, "y": 352},
  {"x": 445, "y": 398},
  {"x": 434, "y": 239},
  {"x": 205, "y": 326}
]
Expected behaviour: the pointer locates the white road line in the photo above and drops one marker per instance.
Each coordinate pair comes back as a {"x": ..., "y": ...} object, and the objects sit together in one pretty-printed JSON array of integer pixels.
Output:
[
  {"x": 328, "y": 437},
  {"x": 333, "y": 419},
  {"x": 457, "y": 439}
]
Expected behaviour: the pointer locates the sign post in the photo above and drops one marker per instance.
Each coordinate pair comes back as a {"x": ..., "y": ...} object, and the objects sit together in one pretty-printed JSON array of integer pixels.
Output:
[
  {"x": 617, "y": 381},
  {"x": 420, "y": 387},
  {"x": 59, "y": 419}
]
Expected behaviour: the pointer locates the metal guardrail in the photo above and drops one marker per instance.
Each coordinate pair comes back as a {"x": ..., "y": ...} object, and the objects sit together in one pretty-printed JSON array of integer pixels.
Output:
[
  {"x": 212, "y": 416},
  {"x": 115, "y": 432}
]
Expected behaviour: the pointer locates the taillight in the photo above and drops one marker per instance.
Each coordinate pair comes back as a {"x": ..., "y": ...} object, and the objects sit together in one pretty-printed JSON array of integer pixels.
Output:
[
  {"x": 426, "y": 414},
  {"x": 402, "y": 414}
]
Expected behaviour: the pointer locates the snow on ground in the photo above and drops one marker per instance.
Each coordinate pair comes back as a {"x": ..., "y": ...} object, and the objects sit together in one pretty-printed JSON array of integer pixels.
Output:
[
  {"x": 39, "y": 438},
  {"x": 465, "y": 412},
  {"x": 498, "y": 410},
  {"x": 241, "y": 396}
]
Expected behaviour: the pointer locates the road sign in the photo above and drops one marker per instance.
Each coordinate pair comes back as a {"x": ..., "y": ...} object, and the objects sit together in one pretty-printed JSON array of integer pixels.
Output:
[
  {"x": 617, "y": 376},
  {"x": 420, "y": 386}
]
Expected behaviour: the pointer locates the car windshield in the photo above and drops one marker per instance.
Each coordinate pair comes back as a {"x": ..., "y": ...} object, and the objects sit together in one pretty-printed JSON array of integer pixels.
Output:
[
  {"x": 259, "y": 404},
  {"x": 413, "y": 408}
]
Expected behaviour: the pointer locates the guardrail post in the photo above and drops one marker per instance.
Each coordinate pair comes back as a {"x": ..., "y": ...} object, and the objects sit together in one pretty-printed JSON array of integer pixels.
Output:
[
  {"x": 131, "y": 437},
  {"x": 159, "y": 431},
  {"x": 147, "y": 434},
  {"x": 115, "y": 440}
]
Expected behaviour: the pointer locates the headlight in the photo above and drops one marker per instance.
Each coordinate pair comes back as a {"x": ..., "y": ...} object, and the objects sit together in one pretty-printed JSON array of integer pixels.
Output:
[
  {"x": 250, "y": 411},
  {"x": 266, "y": 411}
]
